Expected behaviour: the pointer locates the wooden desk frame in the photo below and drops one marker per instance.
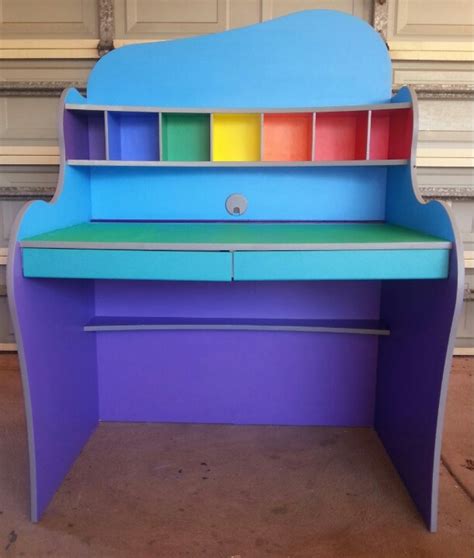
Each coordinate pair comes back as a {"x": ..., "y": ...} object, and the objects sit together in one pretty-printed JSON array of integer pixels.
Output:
[{"x": 305, "y": 128}]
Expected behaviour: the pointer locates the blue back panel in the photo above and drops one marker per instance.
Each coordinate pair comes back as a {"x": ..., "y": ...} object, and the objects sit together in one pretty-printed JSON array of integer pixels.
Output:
[
  {"x": 307, "y": 193},
  {"x": 309, "y": 58},
  {"x": 73, "y": 206}
]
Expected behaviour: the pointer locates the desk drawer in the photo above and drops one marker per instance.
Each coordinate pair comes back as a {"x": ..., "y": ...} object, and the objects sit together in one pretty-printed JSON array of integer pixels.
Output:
[
  {"x": 341, "y": 264},
  {"x": 127, "y": 264}
]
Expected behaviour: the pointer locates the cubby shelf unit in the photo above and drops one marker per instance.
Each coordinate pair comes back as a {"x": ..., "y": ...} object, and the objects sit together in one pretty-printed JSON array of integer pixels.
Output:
[{"x": 99, "y": 135}]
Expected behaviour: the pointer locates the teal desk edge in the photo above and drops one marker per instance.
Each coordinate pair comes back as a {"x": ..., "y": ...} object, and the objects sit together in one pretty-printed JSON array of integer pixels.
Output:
[
  {"x": 126, "y": 264},
  {"x": 238, "y": 266}
]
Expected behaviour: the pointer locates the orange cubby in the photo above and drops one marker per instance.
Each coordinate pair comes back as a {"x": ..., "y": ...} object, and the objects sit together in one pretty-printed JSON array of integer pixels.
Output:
[
  {"x": 287, "y": 136},
  {"x": 341, "y": 136}
]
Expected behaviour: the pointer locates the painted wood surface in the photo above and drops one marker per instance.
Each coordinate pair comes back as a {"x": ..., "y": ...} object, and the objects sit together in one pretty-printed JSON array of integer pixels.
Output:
[
  {"x": 307, "y": 193},
  {"x": 241, "y": 69},
  {"x": 341, "y": 136},
  {"x": 413, "y": 371},
  {"x": 133, "y": 136},
  {"x": 354, "y": 380},
  {"x": 127, "y": 264},
  {"x": 145, "y": 323},
  {"x": 341, "y": 264},
  {"x": 287, "y": 137},
  {"x": 59, "y": 375},
  {"x": 237, "y": 233},
  {"x": 186, "y": 137},
  {"x": 235, "y": 137},
  {"x": 249, "y": 377}
]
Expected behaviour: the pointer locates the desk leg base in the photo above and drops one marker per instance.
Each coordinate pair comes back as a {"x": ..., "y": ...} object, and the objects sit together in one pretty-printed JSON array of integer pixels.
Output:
[{"x": 59, "y": 375}]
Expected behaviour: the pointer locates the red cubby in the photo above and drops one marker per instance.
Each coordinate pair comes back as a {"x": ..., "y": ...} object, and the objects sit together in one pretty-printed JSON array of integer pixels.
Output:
[
  {"x": 391, "y": 134},
  {"x": 341, "y": 136}
]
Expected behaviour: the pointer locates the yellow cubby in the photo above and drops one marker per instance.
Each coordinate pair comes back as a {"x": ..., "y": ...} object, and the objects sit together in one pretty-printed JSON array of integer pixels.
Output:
[{"x": 236, "y": 137}]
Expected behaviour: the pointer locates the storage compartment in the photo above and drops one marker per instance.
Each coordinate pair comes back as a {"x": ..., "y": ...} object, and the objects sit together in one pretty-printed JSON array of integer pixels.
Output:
[
  {"x": 287, "y": 137},
  {"x": 341, "y": 136},
  {"x": 391, "y": 134},
  {"x": 236, "y": 137},
  {"x": 185, "y": 137},
  {"x": 84, "y": 134},
  {"x": 133, "y": 136}
]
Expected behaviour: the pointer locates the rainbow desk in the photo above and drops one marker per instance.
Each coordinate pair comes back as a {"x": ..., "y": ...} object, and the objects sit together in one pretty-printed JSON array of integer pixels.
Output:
[{"x": 237, "y": 237}]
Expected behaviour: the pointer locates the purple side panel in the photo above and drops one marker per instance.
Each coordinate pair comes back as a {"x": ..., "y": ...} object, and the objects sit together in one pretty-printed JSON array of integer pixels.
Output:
[
  {"x": 59, "y": 376},
  {"x": 84, "y": 135},
  {"x": 411, "y": 380},
  {"x": 96, "y": 132},
  {"x": 75, "y": 135},
  {"x": 238, "y": 377}
]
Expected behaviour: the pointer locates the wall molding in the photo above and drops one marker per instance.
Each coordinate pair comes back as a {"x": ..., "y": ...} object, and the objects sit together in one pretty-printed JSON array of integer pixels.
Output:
[
  {"x": 442, "y": 91},
  {"x": 442, "y": 51},
  {"x": 454, "y": 91},
  {"x": 380, "y": 17},
  {"x": 445, "y": 157},
  {"x": 93, "y": 49},
  {"x": 29, "y": 155},
  {"x": 33, "y": 49},
  {"x": 38, "y": 88},
  {"x": 106, "y": 27},
  {"x": 446, "y": 193}
]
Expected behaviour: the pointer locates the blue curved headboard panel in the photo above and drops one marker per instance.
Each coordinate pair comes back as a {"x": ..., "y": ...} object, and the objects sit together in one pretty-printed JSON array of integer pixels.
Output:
[{"x": 310, "y": 58}]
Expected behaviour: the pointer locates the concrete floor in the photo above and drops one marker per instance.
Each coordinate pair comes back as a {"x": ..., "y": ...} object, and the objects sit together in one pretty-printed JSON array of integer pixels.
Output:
[{"x": 226, "y": 491}]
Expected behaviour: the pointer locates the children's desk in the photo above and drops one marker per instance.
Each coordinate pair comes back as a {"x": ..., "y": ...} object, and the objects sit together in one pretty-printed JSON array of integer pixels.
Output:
[{"x": 237, "y": 237}]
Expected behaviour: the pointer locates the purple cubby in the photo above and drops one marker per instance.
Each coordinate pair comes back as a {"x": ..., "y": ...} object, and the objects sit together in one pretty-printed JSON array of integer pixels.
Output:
[
  {"x": 84, "y": 134},
  {"x": 133, "y": 136}
]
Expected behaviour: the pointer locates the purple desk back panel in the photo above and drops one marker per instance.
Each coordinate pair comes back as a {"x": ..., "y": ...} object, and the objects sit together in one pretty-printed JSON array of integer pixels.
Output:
[
  {"x": 59, "y": 376},
  {"x": 238, "y": 377},
  {"x": 412, "y": 381}
]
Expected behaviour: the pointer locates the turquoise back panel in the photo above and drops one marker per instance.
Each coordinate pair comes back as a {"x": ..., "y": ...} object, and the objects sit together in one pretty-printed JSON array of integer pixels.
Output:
[
  {"x": 309, "y": 58},
  {"x": 356, "y": 193},
  {"x": 73, "y": 206}
]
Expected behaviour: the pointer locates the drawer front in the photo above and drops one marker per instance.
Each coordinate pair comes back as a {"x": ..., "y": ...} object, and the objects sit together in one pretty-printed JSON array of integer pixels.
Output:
[
  {"x": 127, "y": 264},
  {"x": 341, "y": 264}
]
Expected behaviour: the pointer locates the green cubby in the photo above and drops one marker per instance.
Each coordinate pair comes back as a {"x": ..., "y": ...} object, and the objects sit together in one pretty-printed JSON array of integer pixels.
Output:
[{"x": 185, "y": 137}]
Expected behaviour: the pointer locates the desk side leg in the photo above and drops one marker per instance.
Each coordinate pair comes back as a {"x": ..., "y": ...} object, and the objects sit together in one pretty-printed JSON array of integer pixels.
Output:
[
  {"x": 58, "y": 368},
  {"x": 412, "y": 380}
]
